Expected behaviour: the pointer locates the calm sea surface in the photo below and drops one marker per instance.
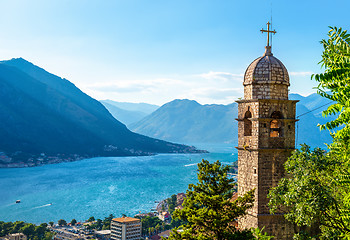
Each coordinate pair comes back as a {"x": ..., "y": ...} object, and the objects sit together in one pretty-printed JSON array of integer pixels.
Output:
[{"x": 99, "y": 186}]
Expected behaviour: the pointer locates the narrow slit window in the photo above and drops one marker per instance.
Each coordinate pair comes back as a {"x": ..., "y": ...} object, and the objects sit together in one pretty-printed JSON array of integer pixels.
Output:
[{"x": 247, "y": 123}]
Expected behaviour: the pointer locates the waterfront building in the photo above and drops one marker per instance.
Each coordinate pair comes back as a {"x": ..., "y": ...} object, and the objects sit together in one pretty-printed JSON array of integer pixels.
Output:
[
  {"x": 103, "y": 234},
  {"x": 16, "y": 236},
  {"x": 164, "y": 216},
  {"x": 266, "y": 138},
  {"x": 126, "y": 228}
]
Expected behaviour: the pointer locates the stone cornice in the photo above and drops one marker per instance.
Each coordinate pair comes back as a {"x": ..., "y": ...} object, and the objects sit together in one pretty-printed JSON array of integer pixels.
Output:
[
  {"x": 265, "y": 149},
  {"x": 269, "y": 119},
  {"x": 266, "y": 100}
]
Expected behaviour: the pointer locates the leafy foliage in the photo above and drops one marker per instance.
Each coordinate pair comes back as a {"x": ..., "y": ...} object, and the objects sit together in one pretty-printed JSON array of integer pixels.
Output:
[
  {"x": 334, "y": 82},
  {"x": 208, "y": 210},
  {"x": 260, "y": 234},
  {"x": 316, "y": 191},
  {"x": 32, "y": 231},
  {"x": 149, "y": 224},
  {"x": 107, "y": 222},
  {"x": 62, "y": 222},
  {"x": 308, "y": 194},
  {"x": 73, "y": 222}
]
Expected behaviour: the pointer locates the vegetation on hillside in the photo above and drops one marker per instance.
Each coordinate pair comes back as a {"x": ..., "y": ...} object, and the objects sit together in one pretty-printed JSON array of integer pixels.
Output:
[
  {"x": 99, "y": 224},
  {"x": 208, "y": 210},
  {"x": 32, "y": 231}
]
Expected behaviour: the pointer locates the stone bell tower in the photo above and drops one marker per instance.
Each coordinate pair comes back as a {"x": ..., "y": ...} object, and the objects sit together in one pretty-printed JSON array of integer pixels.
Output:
[{"x": 266, "y": 138}]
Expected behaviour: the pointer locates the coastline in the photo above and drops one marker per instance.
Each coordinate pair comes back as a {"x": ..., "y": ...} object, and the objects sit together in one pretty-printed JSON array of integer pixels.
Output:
[{"x": 43, "y": 159}]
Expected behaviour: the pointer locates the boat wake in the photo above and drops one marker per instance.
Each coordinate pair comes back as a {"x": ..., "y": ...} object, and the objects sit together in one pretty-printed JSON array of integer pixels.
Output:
[
  {"x": 46, "y": 205},
  {"x": 192, "y": 164}
]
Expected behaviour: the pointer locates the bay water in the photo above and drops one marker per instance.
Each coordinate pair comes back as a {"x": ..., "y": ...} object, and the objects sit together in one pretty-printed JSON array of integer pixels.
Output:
[{"x": 100, "y": 186}]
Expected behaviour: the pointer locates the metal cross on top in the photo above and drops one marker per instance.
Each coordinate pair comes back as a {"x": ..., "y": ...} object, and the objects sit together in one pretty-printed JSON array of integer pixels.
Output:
[{"x": 268, "y": 33}]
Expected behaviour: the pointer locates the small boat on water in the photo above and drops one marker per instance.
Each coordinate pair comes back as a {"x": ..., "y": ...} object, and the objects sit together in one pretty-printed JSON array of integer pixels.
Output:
[{"x": 18, "y": 201}]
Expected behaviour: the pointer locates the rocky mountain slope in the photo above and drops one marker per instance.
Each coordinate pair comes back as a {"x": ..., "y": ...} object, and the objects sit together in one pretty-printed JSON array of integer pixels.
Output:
[
  {"x": 190, "y": 122},
  {"x": 43, "y": 113}
]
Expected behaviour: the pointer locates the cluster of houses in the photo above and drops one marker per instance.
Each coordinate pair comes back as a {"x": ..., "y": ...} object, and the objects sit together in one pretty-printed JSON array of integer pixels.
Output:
[
  {"x": 41, "y": 159},
  {"x": 14, "y": 236},
  {"x": 162, "y": 208}
]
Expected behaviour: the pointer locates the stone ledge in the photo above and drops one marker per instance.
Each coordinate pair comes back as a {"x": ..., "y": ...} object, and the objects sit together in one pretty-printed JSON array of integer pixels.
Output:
[
  {"x": 266, "y": 100},
  {"x": 266, "y": 215},
  {"x": 265, "y": 149},
  {"x": 269, "y": 119}
]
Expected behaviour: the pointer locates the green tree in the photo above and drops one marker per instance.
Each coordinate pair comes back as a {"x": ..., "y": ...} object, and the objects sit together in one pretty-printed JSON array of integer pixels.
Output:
[
  {"x": 148, "y": 222},
  {"x": 308, "y": 195},
  {"x": 91, "y": 219},
  {"x": 41, "y": 230},
  {"x": 73, "y": 222},
  {"x": 62, "y": 222},
  {"x": 107, "y": 222},
  {"x": 334, "y": 82},
  {"x": 99, "y": 224},
  {"x": 51, "y": 223},
  {"x": 32, "y": 231},
  {"x": 260, "y": 235},
  {"x": 175, "y": 222},
  {"x": 6, "y": 228},
  {"x": 174, "y": 198},
  {"x": 157, "y": 228},
  {"x": 17, "y": 226},
  {"x": 171, "y": 203},
  {"x": 316, "y": 192},
  {"x": 334, "y": 85},
  {"x": 48, "y": 235},
  {"x": 28, "y": 230},
  {"x": 208, "y": 210}
]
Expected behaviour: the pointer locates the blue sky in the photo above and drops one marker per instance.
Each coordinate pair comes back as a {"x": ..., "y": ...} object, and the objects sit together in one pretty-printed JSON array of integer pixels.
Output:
[{"x": 157, "y": 50}]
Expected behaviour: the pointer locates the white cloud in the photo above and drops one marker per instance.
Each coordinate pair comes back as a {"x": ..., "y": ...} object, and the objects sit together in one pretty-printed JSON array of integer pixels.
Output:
[
  {"x": 214, "y": 87},
  {"x": 225, "y": 76}
]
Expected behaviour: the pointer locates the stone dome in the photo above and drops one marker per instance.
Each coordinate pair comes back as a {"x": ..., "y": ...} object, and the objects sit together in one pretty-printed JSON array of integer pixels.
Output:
[{"x": 266, "y": 70}]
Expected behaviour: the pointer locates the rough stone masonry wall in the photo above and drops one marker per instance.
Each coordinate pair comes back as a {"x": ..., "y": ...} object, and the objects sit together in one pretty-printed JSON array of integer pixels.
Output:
[
  {"x": 270, "y": 171},
  {"x": 261, "y": 111},
  {"x": 266, "y": 91},
  {"x": 267, "y": 107},
  {"x": 277, "y": 226},
  {"x": 287, "y": 134},
  {"x": 248, "y": 179},
  {"x": 274, "y": 225},
  {"x": 261, "y": 159},
  {"x": 248, "y": 141}
]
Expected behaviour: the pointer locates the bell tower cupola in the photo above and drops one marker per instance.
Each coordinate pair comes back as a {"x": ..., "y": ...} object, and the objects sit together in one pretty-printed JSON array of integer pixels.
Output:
[{"x": 266, "y": 77}]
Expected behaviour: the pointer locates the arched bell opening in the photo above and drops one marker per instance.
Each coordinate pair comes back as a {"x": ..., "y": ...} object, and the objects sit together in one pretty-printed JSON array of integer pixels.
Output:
[
  {"x": 276, "y": 124},
  {"x": 247, "y": 123}
]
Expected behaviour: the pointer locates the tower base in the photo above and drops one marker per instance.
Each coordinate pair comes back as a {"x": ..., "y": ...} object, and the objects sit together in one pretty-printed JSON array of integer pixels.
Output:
[{"x": 274, "y": 225}]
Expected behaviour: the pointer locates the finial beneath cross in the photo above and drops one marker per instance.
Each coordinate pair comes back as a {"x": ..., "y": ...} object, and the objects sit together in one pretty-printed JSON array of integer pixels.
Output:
[{"x": 268, "y": 33}]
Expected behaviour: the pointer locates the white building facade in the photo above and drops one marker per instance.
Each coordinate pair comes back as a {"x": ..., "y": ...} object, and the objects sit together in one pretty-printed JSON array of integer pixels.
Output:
[{"x": 126, "y": 228}]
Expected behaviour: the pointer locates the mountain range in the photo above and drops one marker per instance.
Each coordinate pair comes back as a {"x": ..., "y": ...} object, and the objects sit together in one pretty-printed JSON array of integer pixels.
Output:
[
  {"x": 129, "y": 113},
  {"x": 187, "y": 121},
  {"x": 43, "y": 113}
]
